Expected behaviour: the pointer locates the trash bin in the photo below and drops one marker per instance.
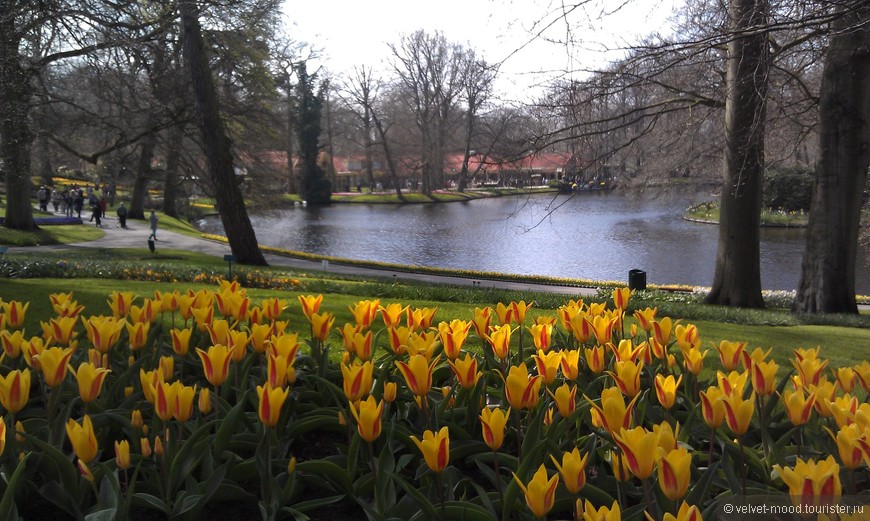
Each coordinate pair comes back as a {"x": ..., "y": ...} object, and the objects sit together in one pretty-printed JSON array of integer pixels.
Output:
[{"x": 636, "y": 279}]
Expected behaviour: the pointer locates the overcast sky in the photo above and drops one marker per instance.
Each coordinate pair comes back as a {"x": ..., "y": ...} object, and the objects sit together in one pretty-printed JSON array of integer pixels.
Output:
[{"x": 527, "y": 36}]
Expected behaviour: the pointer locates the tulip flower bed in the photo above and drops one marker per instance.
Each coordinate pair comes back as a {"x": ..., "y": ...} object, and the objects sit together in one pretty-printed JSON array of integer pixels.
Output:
[{"x": 206, "y": 404}]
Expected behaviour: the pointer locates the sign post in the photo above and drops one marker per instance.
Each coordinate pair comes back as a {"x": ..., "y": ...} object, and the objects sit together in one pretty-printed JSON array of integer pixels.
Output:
[{"x": 230, "y": 260}]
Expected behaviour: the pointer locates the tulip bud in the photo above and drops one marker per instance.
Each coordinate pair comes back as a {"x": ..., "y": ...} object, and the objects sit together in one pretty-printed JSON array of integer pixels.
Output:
[
  {"x": 291, "y": 465},
  {"x": 390, "y": 389},
  {"x": 122, "y": 454},
  {"x": 19, "y": 431},
  {"x": 158, "y": 446},
  {"x": 204, "y": 401},
  {"x": 128, "y": 391},
  {"x": 291, "y": 375},
  {"x": 341, "y": 419},
  {"x": 167, "y": 363},
  {"x": 136, "y": 419},
  {"x": 145, "y": 447}
]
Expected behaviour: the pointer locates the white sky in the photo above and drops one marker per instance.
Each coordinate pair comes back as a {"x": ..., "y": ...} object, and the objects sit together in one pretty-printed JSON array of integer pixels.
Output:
[{"x": 355, "y": 32}]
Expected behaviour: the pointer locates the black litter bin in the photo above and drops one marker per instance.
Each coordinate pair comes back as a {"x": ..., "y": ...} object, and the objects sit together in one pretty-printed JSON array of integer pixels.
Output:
[{"x": 636, "y": 279}]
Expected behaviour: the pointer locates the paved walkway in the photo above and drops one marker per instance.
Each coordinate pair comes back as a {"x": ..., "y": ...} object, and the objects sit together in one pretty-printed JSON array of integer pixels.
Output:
[{"x": 137, "y": 232}]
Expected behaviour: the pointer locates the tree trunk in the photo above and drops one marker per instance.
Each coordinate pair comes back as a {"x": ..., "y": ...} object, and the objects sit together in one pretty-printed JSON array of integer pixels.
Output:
[
  {"x": 16, "y": 137},
  {"x": 737, "y": 281},
  {"x": 170, "y": 185},
  {"x": 143, "y": 175},
  {"x": 391, "y": 165},
  {"x": 216, "y": 145},
  {"x": 827, "y": 283},
  {"x": 292, "y": 182}
]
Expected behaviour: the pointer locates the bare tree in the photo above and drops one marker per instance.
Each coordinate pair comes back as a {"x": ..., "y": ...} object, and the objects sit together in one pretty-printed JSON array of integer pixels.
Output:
[
  {"x": 827, "y": 283},
  {"x": 231, "y": 204}
]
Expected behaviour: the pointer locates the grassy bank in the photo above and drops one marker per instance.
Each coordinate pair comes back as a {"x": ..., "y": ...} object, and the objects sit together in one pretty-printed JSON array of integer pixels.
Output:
[{"x": 709, "y": 212}]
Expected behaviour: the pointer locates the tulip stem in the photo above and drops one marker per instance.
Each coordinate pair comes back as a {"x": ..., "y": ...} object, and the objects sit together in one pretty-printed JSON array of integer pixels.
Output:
[
  {"x": 441, "y": 492},
  {"x": 376, "y": 471},
  {"x": 742, "y": 463},
  {"x": 710, "y": 452},
  {"x": 650, "y": 505},
  {"x": 498, "y": 478},
  {"x": 519, "y": 437}
]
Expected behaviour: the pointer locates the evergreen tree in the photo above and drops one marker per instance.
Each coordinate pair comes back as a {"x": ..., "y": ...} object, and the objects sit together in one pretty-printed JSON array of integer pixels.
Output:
[{"x": 313, "y": 185}]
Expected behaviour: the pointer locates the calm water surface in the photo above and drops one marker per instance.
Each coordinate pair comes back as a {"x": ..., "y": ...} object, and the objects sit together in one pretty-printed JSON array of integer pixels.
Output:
[{"x": 593, "y": 235}]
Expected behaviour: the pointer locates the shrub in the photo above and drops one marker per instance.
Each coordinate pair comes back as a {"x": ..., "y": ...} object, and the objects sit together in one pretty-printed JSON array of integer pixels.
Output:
[{"x": 788, "y": 187}]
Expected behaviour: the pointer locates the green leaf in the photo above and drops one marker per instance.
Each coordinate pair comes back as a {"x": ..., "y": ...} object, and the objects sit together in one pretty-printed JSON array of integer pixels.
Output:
[
  {"x": 188, "y": 456},
  {"x": 329, "y": 471},
  {"x": 61, "y": 497},
  {"x": 7, "y": 504},
  {"x": 464, "y": 510},
  {"x": 701, "y": 491},
  {"x": 311, "y": 423},
  {"x": 107, "y": 514},
  {"x": 314, "y": 504},
  {"x": 227, "y": 427},
  {"x": 426, "y": 507},
  {"x": 153, "y": 502},
  {"x": 66, "y": 471}
]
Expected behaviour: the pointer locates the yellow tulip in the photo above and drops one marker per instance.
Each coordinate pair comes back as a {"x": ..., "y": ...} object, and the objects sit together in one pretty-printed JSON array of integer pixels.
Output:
[
  {"x": 757, "y": 355},
  {"x": 626, "y": 351},
  {"x": 203, "y": 317},
  {"x": 103, "y": 332},
  {"x": 390, "y": 389},
  {"x": 90, "y": 379},
  {"x": 570, "y": 364},
  {"x": 662, "y": 330},
  {"x": 204, "y": 401},
  {"x": 627, "y": 377},
  {"x": 590, "y": 513},
  {"x": 519, "y": 311},
  {"x": 215, "y": 363},
  {"x": 15, "y": 390},
  {"x": 667, "y": 436},
  {"x": 568, "y": 311},
  {"x": 14, "y": 313},
  {"x": 64, "y": 305},
  {"x": 164, "y": 396},
  {"x": 686, "y": 513},
  {"x": 595, "y": 359},
  {"x": 687, "y": 337},
  {"x": 182, "y": 405},
  {"x": 53, "y": 363},
  {"x": 730, "y": 354},
  {"x": 566, "y": 399},
  {"x": 812, "y": 482},
  {"x": 362, "y": 345},
  {"x": 2, "y": 435},
  {"x": 639, "y": 450},
  {"x": 500, "y": 341},
  {"x": 418, "y": 375},
  {"x": 368, "y": 419},
  {"x": 435, "y": 447},
  {"x": 548, "y": 365},
  {"x": 845, "y": 378},
  {"x": 848, "y": 440},
  {"x": 310, "y": 304},
  {"x": 420, "y": 318},
  {"x": 504, "y": 314},
  {"x": 733, "y": 382},
  {"x": 693, "y": 359},
  {"x": 621, "y": 297},
  {"x": 271, "y": 401},
  {"x": 572, "y": 469},
  {"x": 764, "y": 377},
  {"x": 712, "y": 406},
  {"x": 136, "y": 420},
  {"x": 521, "y": 390},
  {"x": 120, "y": 302},
  {"x": 602, "y": 328},
  {"x": 219, "y": 331},
  {"x": 540, "y": 492},
  {"x": 798, "y": 406},
  {"x": 138, "y": 333},
  {"x": 392, "y": 314},
  {"x": 466, "y": 371},
  {"x": 666, "y": 389},
  {"x": 481, "y": 320},
  {"x": 357, "y": 379},
  {"x": 542, "y": 336},
  {"x": 675, "y": 473},
  {"x": 347, "y": 332},
  {"x": 147, "y": 313},
  {"x": 321, "y": 324},
  {"x": 453, "y": 335},
  {"x": 843, "y": 409},
  {"x": 83, "y": 439},
  {"x": 493, "y": 422},
  {"x": 122, "y": 454},
  {"x": 862, "y": 371},
  {"x": 810, "y": 370},
  {"x": 612, "y": 414},
  {"x": 738, "y": 412},
  {"x": 581, "y": 327},
  {"x": 259, "y": 336},
  {"x": 398, "y": 337},
  {"x": 646, "y": 317},
  {"x": 11, "y": 341},
  {"x": 145, "y": 447},
  {"x": 824, "y": 392},
  {"x": 272, "y": 308},
  {"x": 365, "y": 311}
]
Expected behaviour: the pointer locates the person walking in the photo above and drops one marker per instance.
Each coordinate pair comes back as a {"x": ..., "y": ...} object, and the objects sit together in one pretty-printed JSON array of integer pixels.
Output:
[
  {"x": 153, "y": 221},
  {"x": 122, "y": 215}
]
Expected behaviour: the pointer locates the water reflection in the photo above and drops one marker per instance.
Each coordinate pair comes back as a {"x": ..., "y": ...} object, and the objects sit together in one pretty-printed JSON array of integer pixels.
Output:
[{"x": 596, "y": 236}]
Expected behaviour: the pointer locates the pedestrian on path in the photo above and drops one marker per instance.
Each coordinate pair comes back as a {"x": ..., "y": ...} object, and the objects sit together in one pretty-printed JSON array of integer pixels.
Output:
[
  {"x": 122, "y": 215},
  {"x": 153, "y": 221}
]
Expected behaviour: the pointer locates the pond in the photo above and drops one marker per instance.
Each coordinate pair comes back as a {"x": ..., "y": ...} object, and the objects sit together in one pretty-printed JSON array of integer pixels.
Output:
[{"x": 595, "y": 235}]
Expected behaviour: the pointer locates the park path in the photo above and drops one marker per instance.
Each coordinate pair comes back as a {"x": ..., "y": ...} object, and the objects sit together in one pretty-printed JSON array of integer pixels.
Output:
[{"x": 137, "y": 232}]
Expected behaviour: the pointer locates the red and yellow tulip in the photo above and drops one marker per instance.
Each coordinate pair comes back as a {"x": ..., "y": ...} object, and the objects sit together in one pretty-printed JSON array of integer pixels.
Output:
[
  {"x": 15, "y": 390},
  {"x": 418, "y": 373},
  {"x": 493, "y": 422},
  {"x": 521, "y": 390},
  {"x": 435, "y": 447},
  {"x": 465, "y": 370},
  {"x": 572, "y": 469},
  {"x": 368, "y": 419},
  {"x": 271, "y": 401},
  {"x": 90, "y": 380},
  {"x": 675, "y": 473},
  {"x": 541, "y": 492},
  {"x": 639, "y": 450},
  {"x": 357, "y": 379},
  {"x": 83, "y": 439},
  {"x": 215, "y": 363}
]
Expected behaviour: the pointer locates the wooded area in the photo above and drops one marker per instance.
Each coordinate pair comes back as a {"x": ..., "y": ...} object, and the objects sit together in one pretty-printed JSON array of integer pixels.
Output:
[{"x": 125, "y": 93}]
